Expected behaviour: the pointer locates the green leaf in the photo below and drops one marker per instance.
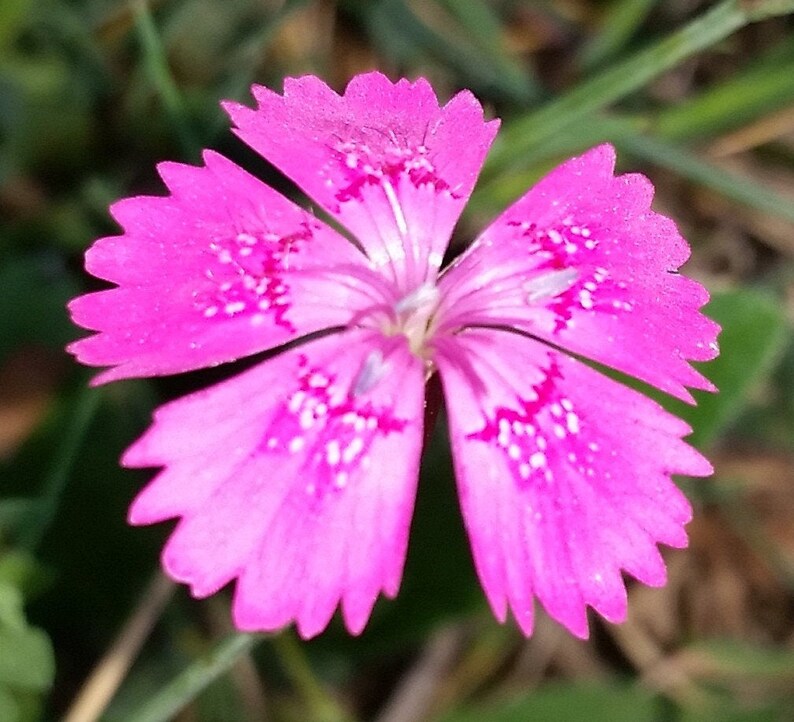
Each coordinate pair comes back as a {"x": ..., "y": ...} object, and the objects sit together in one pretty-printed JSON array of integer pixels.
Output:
[
  {"x": 26, "y": 656},
  {"x": 9, "y": 709},
  {"x": 753, "y": 336},
  {"x": 11, "y": 607},
  {"x": 12, "y": 16},
  {"x": 561, "y": 702},
  {"x": 26, "y": 659},
  {"x": 23, "y": 571},
  {"x": 17, "y": 512}
]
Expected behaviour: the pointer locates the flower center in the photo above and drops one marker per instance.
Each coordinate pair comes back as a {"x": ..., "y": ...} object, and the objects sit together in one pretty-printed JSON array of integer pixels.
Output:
[{"x": 413, "y": 317}]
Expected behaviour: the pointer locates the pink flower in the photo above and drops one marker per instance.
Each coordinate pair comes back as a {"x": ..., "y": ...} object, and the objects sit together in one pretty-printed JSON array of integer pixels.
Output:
[{"x": 297, "y": 477}]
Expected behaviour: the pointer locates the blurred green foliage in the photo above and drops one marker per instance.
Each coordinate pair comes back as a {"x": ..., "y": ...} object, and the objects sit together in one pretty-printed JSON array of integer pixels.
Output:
[
  {"x": 27, "y": 665},
  {"x": 595, "y": 703},
  {"x": 699, "y": 95}
]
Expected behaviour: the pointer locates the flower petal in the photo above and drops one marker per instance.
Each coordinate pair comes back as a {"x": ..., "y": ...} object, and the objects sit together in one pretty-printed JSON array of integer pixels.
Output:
[
  {"x": 564, "y": 477},
  {"x": 581, "y": 261},
  {"x": 221, "y": 268},
  {"x": 384, "y": 159},
  {"x": 285, "y": 478}
]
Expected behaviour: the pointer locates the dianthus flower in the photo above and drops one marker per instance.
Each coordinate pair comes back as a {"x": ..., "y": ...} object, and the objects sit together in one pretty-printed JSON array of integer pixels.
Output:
[{"x": 297, "y": 477}]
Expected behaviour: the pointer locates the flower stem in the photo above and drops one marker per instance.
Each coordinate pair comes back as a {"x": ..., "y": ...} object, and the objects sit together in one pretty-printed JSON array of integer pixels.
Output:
[{"x": 108, "y": 674}]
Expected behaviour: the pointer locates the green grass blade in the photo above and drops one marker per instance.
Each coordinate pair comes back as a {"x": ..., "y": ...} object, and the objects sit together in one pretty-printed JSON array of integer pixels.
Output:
[
  {"x": 292, "y": 657},
  {"x": 625, "y": 133},
  {"x": 402, "y": 35},
  {"x": 484, "y": 29},
  {"x": 189, "y": 684},
  {"x": 620, "y": 22},
  {"x": 519, "y": 136},
  {"x": 58, "y": 474},
  {"x": 493, "y": 195},
  {"x": 566, "y": 701},
  {"x": 156, "y": 64},
  {"x": 733, "y": 186},
  {"x": 762, "y": 88}
]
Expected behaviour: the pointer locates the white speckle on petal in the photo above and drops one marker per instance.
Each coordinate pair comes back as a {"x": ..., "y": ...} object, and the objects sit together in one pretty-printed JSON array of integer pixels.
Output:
[
  {"x": 352, "y": 450},
  {"x": 317, "y": 381},
  {"x": 537, "y": 460},
  {"x": 306, "y": 419},
  {"x": 296, "y": 401},
  {"x": 234, "y": 307},
  {"x": 333, "y": 453},
  {"x": 504, "y": 433},
  {"x": 572, "y": 421}
]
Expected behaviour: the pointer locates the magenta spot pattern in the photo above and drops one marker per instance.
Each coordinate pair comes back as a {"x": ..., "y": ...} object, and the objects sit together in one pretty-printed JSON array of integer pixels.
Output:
[
  {"x": 247, "y": 271},
  {"x": 295, "y": 480},
  {"x": 330, "y": 430},
  {"x": 546, "y": 421},
  {"x": 360, "y": 165},
  {"x": 569, "y": 245}
]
